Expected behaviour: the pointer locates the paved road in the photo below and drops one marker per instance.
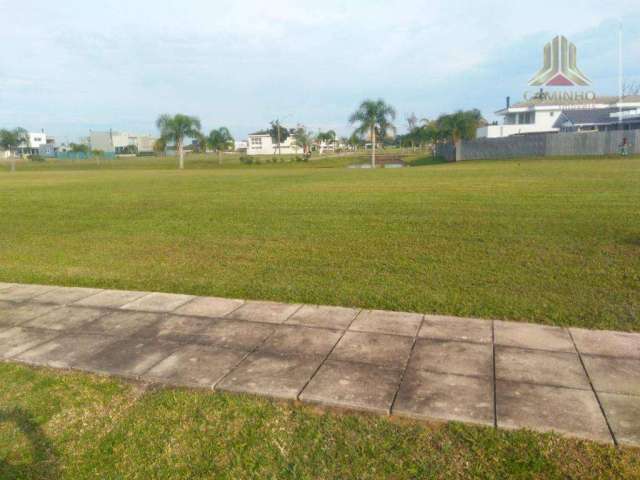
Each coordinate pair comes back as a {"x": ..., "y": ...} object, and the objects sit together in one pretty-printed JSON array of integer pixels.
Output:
[{"x": 580, "y": 383}]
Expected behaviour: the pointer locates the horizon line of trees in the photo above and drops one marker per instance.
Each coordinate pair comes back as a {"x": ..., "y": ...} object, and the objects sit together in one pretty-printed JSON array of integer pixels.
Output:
[{"x": 373, "y": 121}]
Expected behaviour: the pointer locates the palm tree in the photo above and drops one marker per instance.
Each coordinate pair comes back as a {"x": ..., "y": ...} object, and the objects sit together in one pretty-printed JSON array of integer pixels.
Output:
[
  {"x": 176, "y": 128},
  {"x": 461, "y": 125},
  {"x": 354, "y": 141},
  {"x": 220, "y": 140},
  {"x": 159, "y": 146},
  {"x": 202, "y": 140},
  {"x": 374, "y": 117},
  {"x": 303, "y": 139}
]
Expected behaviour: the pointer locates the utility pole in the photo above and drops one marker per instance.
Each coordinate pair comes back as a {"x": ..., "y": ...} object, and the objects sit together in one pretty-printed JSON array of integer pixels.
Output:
[
  {"x": 620, "y": 76},
  {"x": 373, "y": 147},
  {"x": 278, "y": 130}
]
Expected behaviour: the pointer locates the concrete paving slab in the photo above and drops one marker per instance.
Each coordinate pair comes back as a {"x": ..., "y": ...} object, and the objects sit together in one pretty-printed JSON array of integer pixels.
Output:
[
  {"x": 546, "y": 368},
  {"x": 390, "y": 351},
  {"x": 66, "y": 318},
  {"x": 65, "y": 295},
  {"x": 429, "y": 395},
  {"x": 279, "y": 376},
  {"x": 65, "y": 351},
  {"x": 460, "y": 329},
  {"x": 129, "y": 357},
  {"x": 268, "y": 312},
  {"x": 297, "y": 340},
  {"x": 18, "y": 292},
  {"x": 543, "y": 408},
  {"x": 16, "y": 340},
  {"x": 196, "y": 365},
  {"x": 337, "y": 318},
  {"x": 394, "y": 323},
  {"x": 353, "y": 385},
  {"x": 236, "y": 334},
  {"x": 459, "y": 358},
  {"x": 612, "y": 344},
  {"x": 158, "y": 302},
  {"x": 528, "y": 335},
  {"x": 123, "y": 323},
  {"x": 210, "y": 307},
  {"x": 178, "y": 327},
  {"x": 12, "y": 314},
  {"x": 614, "y": 375},
  {"x": 110, "y": 298},
  {"x": 623, "y": 413}
]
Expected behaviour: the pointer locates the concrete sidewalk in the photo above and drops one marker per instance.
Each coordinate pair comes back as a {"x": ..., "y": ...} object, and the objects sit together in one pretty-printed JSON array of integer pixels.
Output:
[{"x": 577, "y": 382}]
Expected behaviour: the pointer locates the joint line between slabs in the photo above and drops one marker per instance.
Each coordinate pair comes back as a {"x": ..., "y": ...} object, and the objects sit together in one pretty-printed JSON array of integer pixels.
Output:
[
  {"x": 406, "y": 365},
  {"x": 253, "y": 350},
  {"x": 61, "y": 333},
  {"x": 315, "y": 372},
  {"x": 604, "y": 414},
  {"x": 226, "y": 315},
  {"x": 495, "y": 387}
]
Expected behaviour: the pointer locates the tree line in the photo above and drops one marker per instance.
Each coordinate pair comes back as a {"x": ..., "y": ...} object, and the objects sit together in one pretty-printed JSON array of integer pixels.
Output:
[
  {"x": 373, "y": 122},
  {"x": 452, "y": 127}
]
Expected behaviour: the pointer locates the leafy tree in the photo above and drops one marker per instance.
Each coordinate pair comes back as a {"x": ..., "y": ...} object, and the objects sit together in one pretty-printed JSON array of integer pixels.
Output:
[
  {"x": 303, "y": 139},
  {"x": 374, "y": 118},
  {"x": 355, "y": 141},
  {"x": 460, "y": 125},
  {"x": 201, "y": 141},
  {"x": 160, "y": 145},
  {"x": 412, "y": 124},
  {"x": 220, "y": 140},
  {"x": 278, "y": 134},
  {"x": 176, "y": 128},
  {"x": 12, "y": 139},
  {"x": 79, "y": 148},
  {"x": 328, "y": 137}
]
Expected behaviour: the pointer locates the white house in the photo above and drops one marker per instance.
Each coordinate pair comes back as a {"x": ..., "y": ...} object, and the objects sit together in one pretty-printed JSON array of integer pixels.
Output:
[
  {"x": 121, "y": 142},
  {"x": 240, "y": 145},
  {"x": 35, "y": 140},
  {"x": 261, "y": 143},
  {"x": 547, "y": 115}
]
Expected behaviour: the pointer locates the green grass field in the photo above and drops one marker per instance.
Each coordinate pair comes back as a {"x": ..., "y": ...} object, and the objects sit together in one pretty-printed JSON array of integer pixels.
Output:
[
  {"x": 555, "y": 241},
  {"x": 76, "y": 426}
]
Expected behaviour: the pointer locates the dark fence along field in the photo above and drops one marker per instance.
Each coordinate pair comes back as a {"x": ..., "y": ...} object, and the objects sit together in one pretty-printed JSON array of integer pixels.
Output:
[{"x": 543, "y": 145}]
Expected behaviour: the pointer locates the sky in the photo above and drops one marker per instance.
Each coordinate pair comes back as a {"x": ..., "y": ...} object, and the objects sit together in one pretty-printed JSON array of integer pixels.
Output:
[{"x": 72, "y": 66}]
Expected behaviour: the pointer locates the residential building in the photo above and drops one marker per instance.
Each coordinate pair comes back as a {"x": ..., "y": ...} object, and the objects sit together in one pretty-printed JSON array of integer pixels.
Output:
[
  {"x": 34, "y": 141},
  {"x": 240, "y": 145},
  {"x": 121, "y": 142},
  {"x": 549, "y": 115},
  {"x": 261, "y": 143}
]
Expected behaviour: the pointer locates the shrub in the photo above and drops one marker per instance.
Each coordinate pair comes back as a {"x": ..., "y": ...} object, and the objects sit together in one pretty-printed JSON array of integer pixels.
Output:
[{"x": 37, "y": 158}]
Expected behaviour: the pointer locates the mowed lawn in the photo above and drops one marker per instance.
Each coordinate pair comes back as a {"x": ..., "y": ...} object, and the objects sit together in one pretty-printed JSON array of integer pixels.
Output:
[
  {"x": 77, "y": 426},
  {"x": 555, "y": 241}
]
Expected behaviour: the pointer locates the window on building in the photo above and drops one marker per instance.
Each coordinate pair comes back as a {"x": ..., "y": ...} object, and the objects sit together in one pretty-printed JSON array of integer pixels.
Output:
[
  {"x": 256, "y": 142},
  {"x": 527, "y": 118}
]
